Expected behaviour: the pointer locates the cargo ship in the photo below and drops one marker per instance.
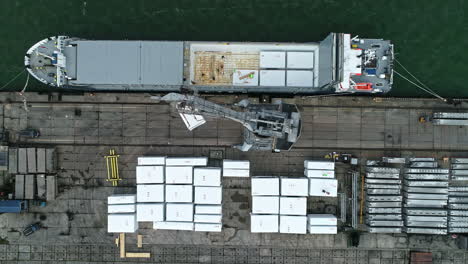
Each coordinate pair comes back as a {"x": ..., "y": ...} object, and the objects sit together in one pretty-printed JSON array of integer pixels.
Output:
[{"x": 338, "y": 64}]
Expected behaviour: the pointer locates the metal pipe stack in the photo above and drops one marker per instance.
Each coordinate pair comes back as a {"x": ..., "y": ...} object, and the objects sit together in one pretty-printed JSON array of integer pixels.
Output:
[
  {"x": 383, "y": 200},
  {"x": 458, "y": 197},
  {"x": 426, "y": 197}
]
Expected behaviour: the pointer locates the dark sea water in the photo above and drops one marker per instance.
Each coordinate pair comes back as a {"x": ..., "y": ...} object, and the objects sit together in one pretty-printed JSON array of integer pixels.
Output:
[{"x": 430, "y": 37}]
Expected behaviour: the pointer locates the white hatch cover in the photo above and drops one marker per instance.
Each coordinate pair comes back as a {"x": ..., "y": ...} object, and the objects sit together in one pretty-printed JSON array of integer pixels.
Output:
[
  {"x": 300, "y": 78},
  {"x": 272, "y": 78},
  {"x": 272, "y": 59},
  {"x": 300, "y": 60}
]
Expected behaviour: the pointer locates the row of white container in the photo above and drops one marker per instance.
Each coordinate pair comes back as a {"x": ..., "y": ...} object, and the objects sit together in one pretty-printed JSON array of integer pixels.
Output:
[
  {"x": 279, "y": 205},
  {"x": 270, "y": 186},
  {"x": 126, "y": 223},
  {"x": 176, "y": 170},
  {"x": 175, "y": 161},
  {"x": 315, "y": 224},
  {"x": 198, "y": 176},
  {"x": 157, "y": 193},
  {"x": 236, "y": 168}
]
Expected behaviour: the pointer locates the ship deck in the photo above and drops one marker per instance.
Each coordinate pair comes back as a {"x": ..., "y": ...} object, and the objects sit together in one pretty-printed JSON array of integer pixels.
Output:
[{"x": 84, "y": 128}]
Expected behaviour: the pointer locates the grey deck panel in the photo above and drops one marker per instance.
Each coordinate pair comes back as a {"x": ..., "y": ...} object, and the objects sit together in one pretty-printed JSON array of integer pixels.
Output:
[
  {"x": 51, "y": 189},
  {"x": 31, "y": 153},
  {"x": 22, "y": 160},
  {"x": 13, "y": 160},
  {"x": 19, "y": 186},
  {"x": 29, "y": 187},
  {"x": 41, "y": 186},
  {"x": 129, "y": 62}
]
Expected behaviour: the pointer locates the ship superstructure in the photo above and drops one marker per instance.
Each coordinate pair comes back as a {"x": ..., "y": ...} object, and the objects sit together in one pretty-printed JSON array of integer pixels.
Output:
[{"x": 338, "y": 64}]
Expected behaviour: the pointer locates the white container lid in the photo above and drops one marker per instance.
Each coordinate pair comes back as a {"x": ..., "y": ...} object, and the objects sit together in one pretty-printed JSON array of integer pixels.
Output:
[
  {"x": 207, "y": 176},
  {"x": 265, "y": 204},
  {"x": 150, "y": 193},
  {"x": 322, "y": 229},
  {"x": 294, "y": 186},
  {"x": 205, "y": 227},
  {"x": 151, "y": 160},
  {"x": 120, "y": 208},
  {"x": 179, "y": 175},
  {"x": 323, "y": 187},
  {"x": 236, "y": 173},
  {"x": 236, "y": 164},
  {"x": 195, "y": 161},
  {"x": 319, "y": 165},
  {"x": 264, "y": 223},
  {"x": 208, "y": 195},
  {"x": 265, "y": 186},
  {"x": 182, "y": 212},
  {"x": 149, "y": 174},
  {"x": 319, "y": 173},
  {"x": 293, "y": 224},
  {"x": 121, "y": 199},
  {"x": 150, "y": 212},
  {"x": 245, "y": 78},
  {"x": 293, "y": 205},
  {"x": 179, "y": 193},
  {"x": 121, "y": 223},
  {"x": 321, "y": 219}
]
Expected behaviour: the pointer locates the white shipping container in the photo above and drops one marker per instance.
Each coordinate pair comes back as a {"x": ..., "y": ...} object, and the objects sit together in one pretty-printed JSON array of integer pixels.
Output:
[
  {"x": 195, "y": 161},
  {"x": 179, "y": 212},
  {"x": 179, "y": 175},
  {"x": 294, "y": 186},
  {"x": 208, "y": 209},
  {"x": 272, "y": 59},
  {"x": 121, "y": 199},
  {"x": 265, "y": 204},
  {"x": 236, "y": 164},
  {"x": 207, "y": 218},
  {"x": 236, "y": 173},
  {"x": 272, "y": 78},
  {"x": 149, "y": 174},
  {"x": 323, "y": 187},
  {"x": 319, "y": 165},
  {"x": 208, "y": 195},
  {"x": 264, "y": 223},
  {"x": 322, "y": 230},
  {"x": 208, "y": 227},
  {"x": 121, "y": 223},
  {"x": 300, "y": 78},
  {"x": 207, "y": 176},
  {"x": 150, "y": 193},
  {"x": 150, "y": 212},
  {"x": 151, "y": 160},
  {"x": 293, "y": 224},
  {"x": 265, "y": 186},
  {"x": 179, "y": 193},
  {"x": 293, "y": 205},
  {"x": 322, "y": 219},
  {"x": 169, "y": 225},
  {"x": 300, "y": 60},
  {"x": 120, "y": 208},
  {"x": 319, "y": 173}
]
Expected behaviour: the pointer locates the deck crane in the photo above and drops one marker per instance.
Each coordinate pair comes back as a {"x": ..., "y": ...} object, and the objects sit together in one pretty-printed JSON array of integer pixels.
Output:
[{"x": 272, "y": 127}]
